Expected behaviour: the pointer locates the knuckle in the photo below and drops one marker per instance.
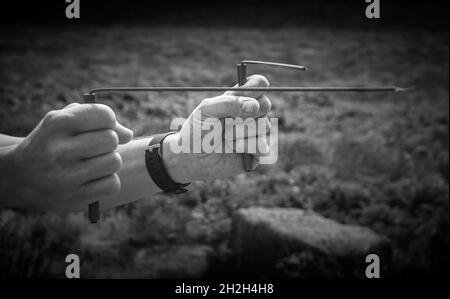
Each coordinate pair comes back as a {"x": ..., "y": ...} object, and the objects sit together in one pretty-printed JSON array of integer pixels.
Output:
[
  {"x": 111, "y": 139},
  {"x": 268, "y": 125},
  {"x": 72, "y": 105},
  {"x": 114, "y": 184},
  {"x": 116, "y": 161},
  {"x": 263, "y": 126},
  {"x": 50, "y": 117},
  {"x": 205, "y": 102},
  {"x": 56, "y": 118},
  {"x": 266, "y": 104},
  {"x": 83, "y": 189},
  {"x": 107, "y": 115}
]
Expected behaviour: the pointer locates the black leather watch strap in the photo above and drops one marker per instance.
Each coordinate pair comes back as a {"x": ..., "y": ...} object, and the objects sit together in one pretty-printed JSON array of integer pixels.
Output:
[{"x": 156, "y": 169}]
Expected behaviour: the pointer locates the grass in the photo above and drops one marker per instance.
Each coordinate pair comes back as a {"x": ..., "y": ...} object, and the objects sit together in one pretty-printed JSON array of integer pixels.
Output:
[{"x": 379, "y": 160}]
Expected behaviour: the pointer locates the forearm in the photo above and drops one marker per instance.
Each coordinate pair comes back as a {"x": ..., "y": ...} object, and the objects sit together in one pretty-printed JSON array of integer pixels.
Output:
[
  {"x": 135, "y": 180},
  {"x": 181, "y": 167}
]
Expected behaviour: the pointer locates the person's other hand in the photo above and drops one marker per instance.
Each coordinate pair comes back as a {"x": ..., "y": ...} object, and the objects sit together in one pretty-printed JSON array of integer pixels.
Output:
[
  {"x": 69, "y": 156},
  {"x": 231, "y": 105}
]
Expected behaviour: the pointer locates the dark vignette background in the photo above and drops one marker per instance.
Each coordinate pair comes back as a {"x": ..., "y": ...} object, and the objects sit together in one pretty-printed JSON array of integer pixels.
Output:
[
  {"x": 405, "y": 14},
  {"x": 378, "y": 162}
]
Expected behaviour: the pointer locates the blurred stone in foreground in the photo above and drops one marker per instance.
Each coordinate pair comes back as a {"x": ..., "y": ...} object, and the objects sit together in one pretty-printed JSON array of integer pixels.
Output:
[{"x": 264, "y": 237}]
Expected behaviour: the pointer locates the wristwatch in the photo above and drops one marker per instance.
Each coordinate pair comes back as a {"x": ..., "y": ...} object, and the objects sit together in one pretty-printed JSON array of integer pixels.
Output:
[{"x": 156, "y": 169}]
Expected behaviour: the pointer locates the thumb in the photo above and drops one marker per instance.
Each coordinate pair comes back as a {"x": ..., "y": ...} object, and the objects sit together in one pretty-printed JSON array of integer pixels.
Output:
[
  {"x": 229, "y": 106},
  {"x": 125, "y": 135},
  {"x": 252, "y": 81}
]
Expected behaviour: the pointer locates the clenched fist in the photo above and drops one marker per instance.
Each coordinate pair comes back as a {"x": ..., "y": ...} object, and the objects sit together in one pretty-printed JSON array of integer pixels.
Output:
[
  {"x": 225, "y": 157},
  {"x": 71, "y": 155}
]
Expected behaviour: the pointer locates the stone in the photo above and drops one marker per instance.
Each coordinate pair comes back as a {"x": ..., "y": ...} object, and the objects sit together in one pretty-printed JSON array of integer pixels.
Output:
[{"x": 262, "y": 236}]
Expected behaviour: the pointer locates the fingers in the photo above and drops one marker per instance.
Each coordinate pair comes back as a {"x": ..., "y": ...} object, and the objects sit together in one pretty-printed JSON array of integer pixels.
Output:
[
  {"x": 256, "y": 145},
  {"x": 232, "y": 166},
  {"x": 98, "y": 167},
  {"x": 101, "y": 187},
  {"x": 87, "y": 117},
  {"x": 93, "y": 137},
  {"x": 98, "y": 176},
  {"x": 249, "y": 127},
  {"x": 246, "y": 136},
  {"x": 91, "y": 144},
  {"x": 264, "y": 106},
  {"x": 78, "y": 118},
  {"x": 229, "y": 106}
]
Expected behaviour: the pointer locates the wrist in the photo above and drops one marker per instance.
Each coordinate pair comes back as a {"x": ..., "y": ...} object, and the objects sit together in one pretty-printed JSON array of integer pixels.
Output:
[{"x": 175, "y": 164}]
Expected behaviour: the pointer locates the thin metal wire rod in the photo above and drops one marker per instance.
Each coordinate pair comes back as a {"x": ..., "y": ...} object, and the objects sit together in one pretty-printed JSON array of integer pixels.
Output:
[
  {"x": 293, "y": 66},
  {"x": 269, "y": 89}
]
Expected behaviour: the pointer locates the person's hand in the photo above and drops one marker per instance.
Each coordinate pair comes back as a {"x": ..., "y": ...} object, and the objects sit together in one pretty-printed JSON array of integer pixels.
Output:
[
  {"x": 70, "y": 155},
  {"x": 224, "y": 160}
]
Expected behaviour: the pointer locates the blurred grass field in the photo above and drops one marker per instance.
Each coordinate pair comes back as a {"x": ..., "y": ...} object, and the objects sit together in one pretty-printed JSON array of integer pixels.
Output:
[{"x": 378, "y": 160}]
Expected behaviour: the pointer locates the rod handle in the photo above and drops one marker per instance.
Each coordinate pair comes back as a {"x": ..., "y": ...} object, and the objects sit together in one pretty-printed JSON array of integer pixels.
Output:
[
  {"x": 94, "y": 207},
  {"x": 247, "y": 159}
]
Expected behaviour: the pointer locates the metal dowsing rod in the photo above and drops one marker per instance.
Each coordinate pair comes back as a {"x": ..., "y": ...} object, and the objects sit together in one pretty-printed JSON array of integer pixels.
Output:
[
  {"x": 266, "y": 89},
  {"x": 242, "y": 78},
  {"x": 90, "y": 97}
]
